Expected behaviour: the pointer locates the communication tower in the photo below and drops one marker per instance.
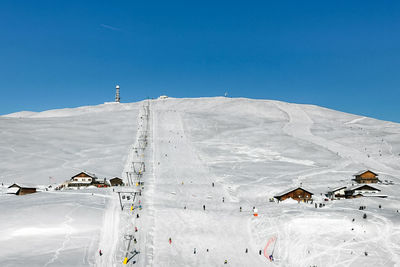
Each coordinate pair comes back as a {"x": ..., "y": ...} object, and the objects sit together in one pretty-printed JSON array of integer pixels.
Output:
[{"x": 117, "y": 94}]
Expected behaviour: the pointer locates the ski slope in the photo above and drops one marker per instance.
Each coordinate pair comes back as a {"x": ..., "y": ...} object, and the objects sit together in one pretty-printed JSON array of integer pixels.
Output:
[{"x": 250, "y": 149}]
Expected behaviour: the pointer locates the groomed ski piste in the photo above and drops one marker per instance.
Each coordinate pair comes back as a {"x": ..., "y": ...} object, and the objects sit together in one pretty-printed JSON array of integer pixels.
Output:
[{"x": 250, "y": 150}]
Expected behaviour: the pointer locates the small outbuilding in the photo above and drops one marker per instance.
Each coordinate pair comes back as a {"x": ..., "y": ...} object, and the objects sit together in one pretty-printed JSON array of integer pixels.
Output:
[
  {"x": 366, "y": 177},
  {"x": 298, "y": 194},
  {"x": 116, "y": 181},
  {"x": 20, "y": 190}
]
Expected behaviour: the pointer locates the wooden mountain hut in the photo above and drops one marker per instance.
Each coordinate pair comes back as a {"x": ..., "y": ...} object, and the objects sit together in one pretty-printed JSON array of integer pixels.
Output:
[
  {"x": 366, "y": 177},
  {"x": 20, "y": 190},
  {"x": 116, "y": 181},
  {"x": 298, "y": 194}
]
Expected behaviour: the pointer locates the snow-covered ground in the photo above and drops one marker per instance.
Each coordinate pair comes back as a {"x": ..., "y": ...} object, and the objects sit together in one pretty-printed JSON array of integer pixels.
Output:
[{"x": 250, "y": 149}]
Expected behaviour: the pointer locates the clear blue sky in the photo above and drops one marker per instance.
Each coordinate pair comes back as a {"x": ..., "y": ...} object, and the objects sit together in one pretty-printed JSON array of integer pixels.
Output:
[{"x": 343, "y": 55}]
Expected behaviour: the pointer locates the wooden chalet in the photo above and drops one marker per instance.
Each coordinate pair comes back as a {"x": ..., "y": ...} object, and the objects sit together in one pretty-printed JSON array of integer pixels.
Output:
[
  {"x": 20, "y": 190},
  {"x": 298, "y": 194},
  {"x": 366, "y": 177},
  {"x": 116, "y": 181},
  {"x": 82, "y": 179}
]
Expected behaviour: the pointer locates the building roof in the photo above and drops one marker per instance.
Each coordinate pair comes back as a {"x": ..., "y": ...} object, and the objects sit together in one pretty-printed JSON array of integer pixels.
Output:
[
  {"x": 115, "y": 178},
  {"x": 356, "y": 187},
  {"x": 13, "y": 190},
  {"x": 291, "y": 190},
  {"x": 92, "y": 175},
  {"x": 21, "y": 186},
  {"x": 338, "y": 188},
  {"x": 364, "y": 171}
]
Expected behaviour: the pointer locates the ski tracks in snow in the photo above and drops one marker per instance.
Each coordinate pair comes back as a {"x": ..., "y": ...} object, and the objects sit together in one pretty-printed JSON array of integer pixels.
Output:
[
  {"x": 67, "y": 237},
  {"x": 299, "y": 126},
  {"x": 109, "y": 234}
]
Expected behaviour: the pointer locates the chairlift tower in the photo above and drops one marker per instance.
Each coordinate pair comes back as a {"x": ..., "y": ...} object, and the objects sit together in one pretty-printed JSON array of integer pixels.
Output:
[{"x": 117, "y": 94}]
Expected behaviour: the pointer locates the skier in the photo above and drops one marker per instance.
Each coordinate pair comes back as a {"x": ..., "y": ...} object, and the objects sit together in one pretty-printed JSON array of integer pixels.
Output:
[
  {"x": 223, "y": 199},
  {"x": 204, "y": 207},
  {"x": 136, "y": 229},
  {"x": 240, "y": 209},
  {"x": 170, "y": 240},
  {"x": 137, "y": 215},
  {"x": 100, "y": 253},
  {"x": 259, "y": 252},
  {"x": 225, "y": 262},
  {"x": 134, "y": 240},
  {"x": 194, "y": 251},
  {"x": 247, "y": 250},
  {"x": 212, "y": 184},
  {"x": 271, "y": 258}
]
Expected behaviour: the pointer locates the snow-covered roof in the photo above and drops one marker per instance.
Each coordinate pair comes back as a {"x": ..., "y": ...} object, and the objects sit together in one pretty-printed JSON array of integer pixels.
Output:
[
  {"x": 337, "y": 188},
  {"x": 13, "y": 190},
  {"x": 92, "y": 175},
  {"x": 356, "y": 187},
  {"x": 21, "y": 186},
  {"x": 291, "y": 190},
  {"x": 364, "y": 171}
]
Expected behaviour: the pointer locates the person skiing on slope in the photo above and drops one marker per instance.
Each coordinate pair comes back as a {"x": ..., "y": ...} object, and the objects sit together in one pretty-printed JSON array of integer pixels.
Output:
[
  {"x": 204, "y": 207},
  {"x": 100, "y": 253},
  {"x": 271, "y": 257},
  {"x": 170, "y": 240}
]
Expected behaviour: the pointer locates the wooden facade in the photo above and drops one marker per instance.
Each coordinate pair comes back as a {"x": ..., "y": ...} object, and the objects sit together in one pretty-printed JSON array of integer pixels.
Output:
[
  {"x": 298, "y": 194},
  {"x": 22, "y": 190},
  {"x": 116, "y": 181},
  {"x": 366, "y": 177}
]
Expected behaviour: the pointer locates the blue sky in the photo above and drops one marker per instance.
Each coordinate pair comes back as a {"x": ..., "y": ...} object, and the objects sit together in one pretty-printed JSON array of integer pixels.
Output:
[{"x": 343, "y": 55}]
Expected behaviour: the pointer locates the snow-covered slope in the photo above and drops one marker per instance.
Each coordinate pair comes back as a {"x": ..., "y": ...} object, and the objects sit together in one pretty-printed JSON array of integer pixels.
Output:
[
  {"x": 250, "y": 150},
  {"x": 61, "y": 143}
]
